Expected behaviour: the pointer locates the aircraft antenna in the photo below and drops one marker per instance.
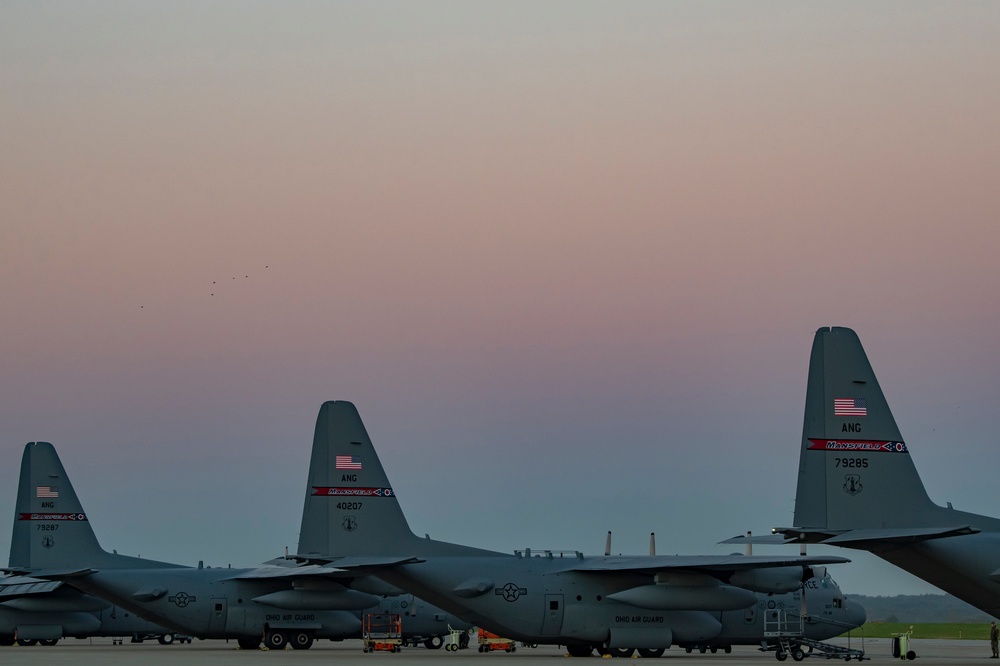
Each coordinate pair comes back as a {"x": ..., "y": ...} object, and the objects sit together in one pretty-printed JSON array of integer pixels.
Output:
[
  {"x": 749, "y": 544},
  {"x": 607, "y": 545},
  {"x": 652, "y": 543}
]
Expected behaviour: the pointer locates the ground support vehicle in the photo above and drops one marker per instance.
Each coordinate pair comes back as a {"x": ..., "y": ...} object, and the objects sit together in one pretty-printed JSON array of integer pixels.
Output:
[
  {"x": 490, "y": 642},
  {"x": 382, "y": 632}
]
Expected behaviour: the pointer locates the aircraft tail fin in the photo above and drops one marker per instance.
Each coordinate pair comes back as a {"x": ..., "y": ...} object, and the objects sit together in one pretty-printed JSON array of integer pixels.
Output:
[
  {"x": 855, "y": 472},
  {"x": 350, "y": 507},
  {"x": 51, "y": 530}
]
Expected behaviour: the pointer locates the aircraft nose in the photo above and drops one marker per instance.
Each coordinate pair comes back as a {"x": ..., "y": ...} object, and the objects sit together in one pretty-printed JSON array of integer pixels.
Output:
[{"x": 854, "y": 613}]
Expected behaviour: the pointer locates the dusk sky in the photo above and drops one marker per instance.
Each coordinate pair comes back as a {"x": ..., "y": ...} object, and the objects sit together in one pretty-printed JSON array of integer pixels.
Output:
[{"x": 567, "y": 258}]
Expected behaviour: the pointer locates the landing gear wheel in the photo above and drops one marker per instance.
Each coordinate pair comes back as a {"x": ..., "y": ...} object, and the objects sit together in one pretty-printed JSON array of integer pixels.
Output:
[
  {"x": 579, "y": 650},
  {"x": 798, "y": 654},
  {"x": 27, "y": 642},
  {"x": 166, "y": 639},
  {"x": 49, "y": 642},
  {"x": 248, "y": 643},
  {"x": 780, "y": 655},
  {"x": 651, "y": 653},
  {"x": 301, "y": 640},
  {"x": 275, "y": 640},
  {"x": 621, "y": 653},
  {"x": 702, "y": 649},
  {"x": 433, "y": 643},
  {"x": 729, "y": 648}
]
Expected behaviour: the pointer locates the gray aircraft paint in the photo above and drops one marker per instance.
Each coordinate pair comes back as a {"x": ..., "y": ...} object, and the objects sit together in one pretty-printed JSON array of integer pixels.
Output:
[
  {"x": 53, "y": 538},
  {"x": 859, "y": 488},
  {"x": 353, "y": 520}
]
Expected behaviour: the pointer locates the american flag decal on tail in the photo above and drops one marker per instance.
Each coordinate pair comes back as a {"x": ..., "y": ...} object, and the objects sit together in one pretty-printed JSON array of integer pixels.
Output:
[
  {"x": 850, "y": 407},
  {"x": 348, "y": 462}
]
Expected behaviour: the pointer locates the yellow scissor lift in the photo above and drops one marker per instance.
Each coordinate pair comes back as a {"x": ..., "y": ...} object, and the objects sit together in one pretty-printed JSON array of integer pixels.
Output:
[{"x": 382, "y": 632}]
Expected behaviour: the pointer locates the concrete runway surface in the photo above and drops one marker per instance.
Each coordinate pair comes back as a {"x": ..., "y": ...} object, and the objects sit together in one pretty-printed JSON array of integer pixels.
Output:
[{"x": 348, "y": 653}]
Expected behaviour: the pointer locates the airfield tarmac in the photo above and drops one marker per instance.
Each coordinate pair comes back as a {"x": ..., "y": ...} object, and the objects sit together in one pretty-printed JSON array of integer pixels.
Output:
[{"x": 348, "y": 653}]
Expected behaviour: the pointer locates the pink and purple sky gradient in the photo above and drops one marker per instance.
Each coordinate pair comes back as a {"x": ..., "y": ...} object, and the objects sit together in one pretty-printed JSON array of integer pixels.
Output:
[{"x": 566, "y": 257}]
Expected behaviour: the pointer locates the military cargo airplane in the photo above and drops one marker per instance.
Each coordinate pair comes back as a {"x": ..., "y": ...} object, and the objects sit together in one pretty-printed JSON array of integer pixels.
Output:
[
  {"x": 281, "y": 602},
  {"x": 352, "y": 521},
  {"x": 858, "y": 487},
  {"x": 34, "y": 611}
]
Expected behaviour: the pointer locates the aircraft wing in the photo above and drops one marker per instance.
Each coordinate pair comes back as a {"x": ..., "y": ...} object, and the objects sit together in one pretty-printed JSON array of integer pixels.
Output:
[
  {"x": 855, "y": 538},
  {"x": 705, "y": 563}
]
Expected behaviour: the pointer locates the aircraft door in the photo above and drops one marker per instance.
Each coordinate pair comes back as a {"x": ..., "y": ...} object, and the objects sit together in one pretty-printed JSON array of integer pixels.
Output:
[
  {"x": 552, "y": 623},
  {"x": 217, "y": 615}
]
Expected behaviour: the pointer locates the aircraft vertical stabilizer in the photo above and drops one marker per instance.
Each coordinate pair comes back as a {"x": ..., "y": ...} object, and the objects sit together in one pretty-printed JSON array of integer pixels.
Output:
[
  {"x": 348, "y": 494},
  {"x": 350, "y": 507},
  {"x": 51, "y": 530},
  {"x": 854, "y": 469},
  {"x": 858, "y": 486}
]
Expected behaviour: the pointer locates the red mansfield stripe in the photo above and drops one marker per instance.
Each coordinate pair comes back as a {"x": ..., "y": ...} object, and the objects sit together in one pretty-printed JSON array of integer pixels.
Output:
[
  {"x": 79, "y": 517},
  {"x": 326, "y": 491},
  {"x": 857, "y": 445}
]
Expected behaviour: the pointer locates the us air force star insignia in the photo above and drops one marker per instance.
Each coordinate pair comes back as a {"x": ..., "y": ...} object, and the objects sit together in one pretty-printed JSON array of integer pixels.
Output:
[
  {"x": 510, "y": 592},
  {"x": 852, "y": 484},
  {"x": 182, "y": 599}
]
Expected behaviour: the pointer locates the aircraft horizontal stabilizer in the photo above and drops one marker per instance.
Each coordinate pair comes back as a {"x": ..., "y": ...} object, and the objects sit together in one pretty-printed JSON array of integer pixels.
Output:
[
  {"x": 856, "y": 538},
  {"x": 59, "y": 574},
  {"x": 354, "y": 564},
  {"x": 22, "y": 586},
  {"x": 270, "y": 572},
  {"x": 763, "y": 539}
]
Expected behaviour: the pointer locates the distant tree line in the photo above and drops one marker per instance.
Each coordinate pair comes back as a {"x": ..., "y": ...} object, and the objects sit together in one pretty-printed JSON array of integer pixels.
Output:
[{"x": 921, "y": 608}]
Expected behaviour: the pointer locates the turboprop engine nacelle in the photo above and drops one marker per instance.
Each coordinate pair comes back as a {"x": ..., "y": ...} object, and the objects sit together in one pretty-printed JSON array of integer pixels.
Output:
[
  {"x": 777, "y": 580},
  {"x": 318, "y": 599},
  {"x": 686, "y": 591}
]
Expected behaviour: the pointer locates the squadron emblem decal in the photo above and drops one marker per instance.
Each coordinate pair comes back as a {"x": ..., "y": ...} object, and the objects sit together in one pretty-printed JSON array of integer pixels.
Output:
[
  {"x": 510, "y": 591},
  {"x": 48, "y": 542},
  {"x": 852, "y": 484},
  {"x": 350, "y": 523}
]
